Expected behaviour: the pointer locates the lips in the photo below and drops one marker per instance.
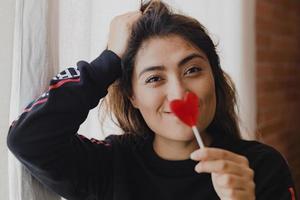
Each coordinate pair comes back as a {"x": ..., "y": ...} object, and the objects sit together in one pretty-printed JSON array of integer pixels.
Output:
[{"x": 170, "y": 112}]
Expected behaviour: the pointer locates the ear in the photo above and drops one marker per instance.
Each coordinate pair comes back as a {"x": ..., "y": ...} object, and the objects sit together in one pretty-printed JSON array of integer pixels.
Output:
[{"x": 134, "y": 102}]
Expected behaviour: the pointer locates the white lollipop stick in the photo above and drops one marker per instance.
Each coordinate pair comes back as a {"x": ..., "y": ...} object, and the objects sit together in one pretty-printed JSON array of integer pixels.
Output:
[{"x": 198, "y": 137}]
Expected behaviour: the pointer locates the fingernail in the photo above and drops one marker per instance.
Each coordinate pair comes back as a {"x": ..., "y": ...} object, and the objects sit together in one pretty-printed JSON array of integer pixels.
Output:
[
  {"x": 193, "y": 156},
  {"x": 198, "y": 168}
]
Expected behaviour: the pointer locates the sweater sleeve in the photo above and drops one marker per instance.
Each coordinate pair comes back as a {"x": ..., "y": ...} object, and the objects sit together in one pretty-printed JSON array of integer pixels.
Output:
[
  {"x": 272, "y": 177},
  {"x": 44, "y": 138}
]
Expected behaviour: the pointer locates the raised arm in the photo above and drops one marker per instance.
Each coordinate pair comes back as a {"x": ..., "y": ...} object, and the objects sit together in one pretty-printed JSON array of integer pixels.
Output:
[{"x": 45, "y": 138}]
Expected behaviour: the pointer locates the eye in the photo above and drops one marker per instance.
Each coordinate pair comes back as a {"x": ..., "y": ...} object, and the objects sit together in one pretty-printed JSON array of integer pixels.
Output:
[
  {"x": 192, "y": 70},
  {"x": 153, "y": 79}
]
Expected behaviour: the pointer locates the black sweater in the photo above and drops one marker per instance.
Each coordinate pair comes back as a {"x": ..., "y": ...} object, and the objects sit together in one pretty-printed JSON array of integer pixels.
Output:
[{"x": 125, "y": 167}]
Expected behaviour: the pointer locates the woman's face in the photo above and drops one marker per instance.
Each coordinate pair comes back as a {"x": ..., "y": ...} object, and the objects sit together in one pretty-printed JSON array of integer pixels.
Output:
[{"x": 165, "y": 69}]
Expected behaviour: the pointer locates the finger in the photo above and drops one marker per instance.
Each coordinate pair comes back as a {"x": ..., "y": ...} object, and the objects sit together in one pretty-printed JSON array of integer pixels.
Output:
[
  {"x": 233, "y": 181},
  {"x": 234, "y": 194},
  {"x": 135, "y": 17},
  {"x": 216, "y": 154},
  {"x": 224, "y": 166},
  {"x": 149, "y": 6},
  {"x": 131, "y": 19},
  {"x": 129, "y": 16},
  {"x": 134, "y": 14}
]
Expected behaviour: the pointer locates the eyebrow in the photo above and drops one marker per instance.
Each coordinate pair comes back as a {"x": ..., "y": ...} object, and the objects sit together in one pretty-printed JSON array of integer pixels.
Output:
[{"x": 181, "y": 63}]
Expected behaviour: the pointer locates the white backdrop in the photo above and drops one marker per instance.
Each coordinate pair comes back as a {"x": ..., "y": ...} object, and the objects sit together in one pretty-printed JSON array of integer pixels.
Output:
[
  {"x": 6, "y": 41},
  {"x": 52, "y": 35}
]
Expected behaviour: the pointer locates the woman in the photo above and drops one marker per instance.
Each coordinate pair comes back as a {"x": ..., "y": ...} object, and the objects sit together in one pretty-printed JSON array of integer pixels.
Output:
[{"x": 154, "y": 56}]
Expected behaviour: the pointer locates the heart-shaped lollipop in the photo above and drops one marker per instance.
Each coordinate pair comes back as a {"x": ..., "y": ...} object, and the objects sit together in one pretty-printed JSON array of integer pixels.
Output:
[{"x": 187, "y": 110}]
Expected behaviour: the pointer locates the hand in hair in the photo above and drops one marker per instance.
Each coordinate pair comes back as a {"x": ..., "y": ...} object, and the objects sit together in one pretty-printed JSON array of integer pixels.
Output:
[
  {"x": 120, "y": 30},
  {"x": 231, "y": 175}
]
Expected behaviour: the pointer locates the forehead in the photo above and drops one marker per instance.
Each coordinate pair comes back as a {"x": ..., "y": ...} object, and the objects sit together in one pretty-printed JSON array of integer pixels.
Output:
[
  {"x": 168, "y": 49},
  {"x": 162, "y": 47}
]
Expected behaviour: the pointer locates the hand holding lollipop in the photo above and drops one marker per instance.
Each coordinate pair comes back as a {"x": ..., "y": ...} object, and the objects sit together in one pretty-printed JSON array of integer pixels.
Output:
[
  {"x": 187, "y": 110},
  {"x": 214, "y": 159}
]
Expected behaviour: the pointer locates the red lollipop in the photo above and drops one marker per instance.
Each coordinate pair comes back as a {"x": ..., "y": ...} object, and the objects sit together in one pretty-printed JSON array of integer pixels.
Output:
[{"x": 187, "y": 110}]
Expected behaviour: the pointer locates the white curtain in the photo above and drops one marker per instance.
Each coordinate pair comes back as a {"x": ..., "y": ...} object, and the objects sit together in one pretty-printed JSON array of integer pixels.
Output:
[{"x": 52, "y": 35}]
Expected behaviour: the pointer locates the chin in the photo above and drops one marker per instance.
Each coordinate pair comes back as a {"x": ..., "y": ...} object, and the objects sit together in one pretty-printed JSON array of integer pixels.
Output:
[
  {"x": 180, "y": 133},
  {"x": 172, "y": 129}
]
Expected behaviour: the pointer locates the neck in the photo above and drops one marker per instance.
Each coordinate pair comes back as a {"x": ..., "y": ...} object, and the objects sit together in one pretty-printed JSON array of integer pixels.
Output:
[{"x": 177, "y": 150}]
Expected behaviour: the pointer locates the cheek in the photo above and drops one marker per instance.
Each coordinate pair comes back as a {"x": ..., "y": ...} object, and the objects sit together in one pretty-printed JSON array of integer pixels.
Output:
[
  {"x": 148, "y": 101},
  {"x": 210, "y": 104},
  {"x": 207, "y": 97}
]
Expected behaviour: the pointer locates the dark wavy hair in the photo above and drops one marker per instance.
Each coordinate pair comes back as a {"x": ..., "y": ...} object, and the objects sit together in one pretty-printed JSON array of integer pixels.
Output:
[{"x": 159, "y": 21}]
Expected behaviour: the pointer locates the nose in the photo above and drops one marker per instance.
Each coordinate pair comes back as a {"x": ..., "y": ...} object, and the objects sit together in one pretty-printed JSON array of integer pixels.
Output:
[{"x": 176, "y": 90}]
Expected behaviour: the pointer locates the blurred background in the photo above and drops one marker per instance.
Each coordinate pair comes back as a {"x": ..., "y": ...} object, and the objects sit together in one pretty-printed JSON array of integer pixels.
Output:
[
  {"x": 258, "y": 41},
  {"x": 277, "y": 25}
]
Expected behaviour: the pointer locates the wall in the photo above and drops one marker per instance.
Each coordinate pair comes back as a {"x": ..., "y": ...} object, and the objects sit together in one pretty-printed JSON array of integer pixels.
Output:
[
  {"x": 6, "y": 38},
  {"x": 278, "y": 78}
]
